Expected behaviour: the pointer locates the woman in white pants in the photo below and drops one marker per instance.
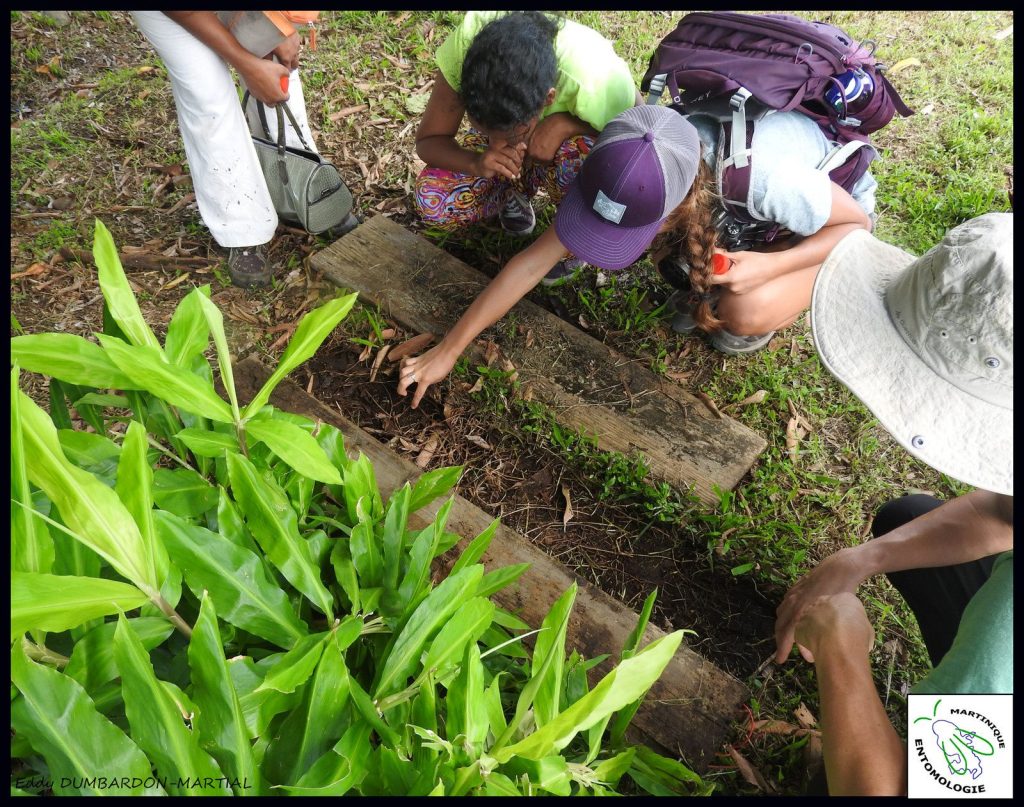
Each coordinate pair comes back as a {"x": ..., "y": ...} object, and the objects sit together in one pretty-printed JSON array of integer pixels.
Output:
[{"x": 197, "y": 50}]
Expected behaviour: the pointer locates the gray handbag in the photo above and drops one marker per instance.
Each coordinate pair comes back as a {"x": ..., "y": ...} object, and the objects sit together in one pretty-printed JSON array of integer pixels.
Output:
[{"x": 306, "y": 189}]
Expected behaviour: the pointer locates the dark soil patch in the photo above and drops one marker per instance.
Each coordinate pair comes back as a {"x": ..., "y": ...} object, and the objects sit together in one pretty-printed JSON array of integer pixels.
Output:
[{"x": 516, "y": 476}]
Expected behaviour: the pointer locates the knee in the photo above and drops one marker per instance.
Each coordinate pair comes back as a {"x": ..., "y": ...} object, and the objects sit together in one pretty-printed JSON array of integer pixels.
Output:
[
  {"x": 897, "y": 512},
  {"x": 746, "y": 321}
]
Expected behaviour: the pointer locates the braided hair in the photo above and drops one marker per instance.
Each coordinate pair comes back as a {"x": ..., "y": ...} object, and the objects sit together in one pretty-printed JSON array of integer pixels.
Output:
[{"x": 690, "y": 234}]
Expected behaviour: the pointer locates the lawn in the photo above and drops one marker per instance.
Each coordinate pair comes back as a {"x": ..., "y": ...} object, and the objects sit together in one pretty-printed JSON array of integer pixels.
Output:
[{"x": 93, "y": 134}]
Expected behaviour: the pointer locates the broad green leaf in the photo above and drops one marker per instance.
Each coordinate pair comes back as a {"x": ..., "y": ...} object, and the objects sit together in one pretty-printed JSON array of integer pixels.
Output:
[
  {"x": 526, "y": 697},
  {"x": 31, "y": 544},
  {"x": 78, "y": 743},
  {"x": 550, "y": 774},
  {"x": 551, "y": 641},
  {"x": 89, "y": 508},
  {"x": 671, "y": 773},
  {"x": 295, "y": 667},
  {"x": 148, "y": 370},
  {"x": 235, "y": 578},
  {"x": 187, "y": 333},
  {"x": 492, "y": 704},
  {"x": 364, "y": 549},
  {"x": 206, "y": 443},
  {"x": 220, "y": 724},
  {"x": 274, "y": 526},
  {"x": 92, "y": 660},
  {"x": 472, "y": 553},
  {"x": 59, "y": 413},
  {"x": 156, "y": 721},
  {"x": 56, "y": 603},
  {"x": 367, "y": 709},
  {"x": 424, "y": 550},
  {"x": 345, "y": 574},
  {"x": 319, "y": 721},
  {"x": 623, "y": 718},
  {"x": 69, "y": 358},
  {"x": 423, "y": 625},
  {"x": 340, "y": 769},
  {"x": 117, "y": 291},
  {"x": 216, "y": 322},
  {"x": 466, "y": 709},
  {"x": 499, "y": 578},
  {"x": 231, "y": 526},
  {"x": 95, "y": 453},
  {"x": 611, "y": 770},
  {"x": 296, "y": 447},
  {"x": 183, "y": 492},
  {"x": 394, "y": 535},
  {"x": 311, "y": 331},
  {"x": 432, "y": 484},
  {"x": 623, "y": 685},
  {"x": 497, "y": 784},
  {"x": 103, "y": 400},
  {"x": 258, "y": 708},
  {"x": 360, "y": 483},
  {"x": 423, "y": 720},
  {"x": 135, "y": 489},
  {"x": 465, "y": 627},
  {"x": 438, "y": 789}
]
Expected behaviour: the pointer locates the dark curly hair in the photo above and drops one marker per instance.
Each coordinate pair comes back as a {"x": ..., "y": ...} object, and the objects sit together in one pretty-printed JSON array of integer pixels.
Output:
[{"x": 509, "y": 68}]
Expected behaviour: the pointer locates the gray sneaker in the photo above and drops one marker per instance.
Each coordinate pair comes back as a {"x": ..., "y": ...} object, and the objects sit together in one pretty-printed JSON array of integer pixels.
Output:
[
  {"x": 517, "y": 216},
  {"x": 563, "y": 272},
  {"x": 735, "y": 345},
  {"x": 248, "y": 266}
]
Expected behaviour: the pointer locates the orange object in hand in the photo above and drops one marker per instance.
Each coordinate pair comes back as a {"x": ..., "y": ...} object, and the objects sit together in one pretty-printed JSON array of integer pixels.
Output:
[
  {"x": 284, "y": 88},
  {"x": 720, "y": 264}
]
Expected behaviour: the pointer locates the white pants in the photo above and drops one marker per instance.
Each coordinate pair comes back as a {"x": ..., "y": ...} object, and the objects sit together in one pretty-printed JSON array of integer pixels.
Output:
[{"x": 230, "y": 189}]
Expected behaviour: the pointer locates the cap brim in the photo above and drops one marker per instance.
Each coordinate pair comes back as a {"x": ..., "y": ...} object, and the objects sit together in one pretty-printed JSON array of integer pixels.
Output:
[
  {"x": 595, "y": 240},
  {"x": 962, "y": 436}
]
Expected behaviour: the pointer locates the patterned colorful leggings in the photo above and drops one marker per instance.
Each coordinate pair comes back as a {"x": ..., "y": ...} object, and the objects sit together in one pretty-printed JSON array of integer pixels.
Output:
[{"x": 449, "y": 200}]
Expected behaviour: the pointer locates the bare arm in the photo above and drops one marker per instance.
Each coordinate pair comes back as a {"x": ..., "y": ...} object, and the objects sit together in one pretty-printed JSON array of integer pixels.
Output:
[
  {"x": 437, "y": 147},
  {"x": 511, "y": 284},
  {"x": 752, "y": 269},
  {"x": 863, "y": 754},
  {"x": 964, "y": 529},
  {"x": 554, "y": 130},
  {"x": 261, "y": 76}
]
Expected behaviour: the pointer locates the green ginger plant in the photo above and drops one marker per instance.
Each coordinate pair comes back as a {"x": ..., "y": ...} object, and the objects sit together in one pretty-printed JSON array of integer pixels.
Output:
[{"x": 210, "y": 598}]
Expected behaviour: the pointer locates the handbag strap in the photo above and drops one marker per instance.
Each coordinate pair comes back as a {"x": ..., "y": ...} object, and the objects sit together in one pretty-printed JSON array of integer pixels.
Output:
[{"x": 282, "y": 109}]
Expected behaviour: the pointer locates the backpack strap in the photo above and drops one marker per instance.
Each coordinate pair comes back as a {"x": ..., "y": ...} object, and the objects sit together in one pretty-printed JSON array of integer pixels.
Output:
[{"x": 838, "y": 155}]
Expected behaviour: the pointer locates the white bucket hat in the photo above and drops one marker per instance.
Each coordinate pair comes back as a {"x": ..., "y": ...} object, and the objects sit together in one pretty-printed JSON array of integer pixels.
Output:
[{"x": 927, "y": 343}]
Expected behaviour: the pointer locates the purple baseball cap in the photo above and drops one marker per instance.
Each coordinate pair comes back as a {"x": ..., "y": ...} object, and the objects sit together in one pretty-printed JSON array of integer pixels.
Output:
[{"x": 640, "y": 169}]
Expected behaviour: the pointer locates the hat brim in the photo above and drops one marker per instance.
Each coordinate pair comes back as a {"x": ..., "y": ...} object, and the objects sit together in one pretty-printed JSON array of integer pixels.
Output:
[
  {"x": 962, "y": 436},
  {"x": 595, "y": 240}
]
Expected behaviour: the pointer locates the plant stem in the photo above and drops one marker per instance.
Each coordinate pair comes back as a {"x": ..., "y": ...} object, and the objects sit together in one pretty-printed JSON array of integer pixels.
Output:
[
  {"x": 240, "y": 435},
  {"x": 162, "y": 448},
  {"x": 42, "y": 653},
  {"x": 172, "y": 615},
  {"x": 463, "y": 778}
]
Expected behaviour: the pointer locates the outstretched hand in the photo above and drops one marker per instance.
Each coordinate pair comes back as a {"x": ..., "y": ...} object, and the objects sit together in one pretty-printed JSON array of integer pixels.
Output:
[
  {"x": 837, "y": 574},
  {"x": 424, "y": 370}
]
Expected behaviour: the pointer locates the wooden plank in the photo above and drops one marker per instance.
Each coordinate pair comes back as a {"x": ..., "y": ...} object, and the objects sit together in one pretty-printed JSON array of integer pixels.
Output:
[
  {"x": 589, "y": 386},
  {"x": 688, "y": 712}
]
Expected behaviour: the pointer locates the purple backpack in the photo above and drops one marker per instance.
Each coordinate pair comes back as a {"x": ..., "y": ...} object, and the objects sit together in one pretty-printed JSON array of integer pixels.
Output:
[{"x": 740, "y": 67}]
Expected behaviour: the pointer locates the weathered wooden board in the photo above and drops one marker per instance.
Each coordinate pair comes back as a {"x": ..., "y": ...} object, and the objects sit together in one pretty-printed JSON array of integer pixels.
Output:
[
  {"x": 688, "y": 711},
  {"x": 589, "y": 386}
]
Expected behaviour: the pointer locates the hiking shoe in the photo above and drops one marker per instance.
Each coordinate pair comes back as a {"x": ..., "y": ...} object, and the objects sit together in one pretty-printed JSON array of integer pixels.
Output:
[
  {"x": 248, "y": 266},
  {"x": 517, "y": 216},
  {"x": 735, "y": 345},
  {"x": 682, "y": 311},
  {"x": 563, "y": 271}
]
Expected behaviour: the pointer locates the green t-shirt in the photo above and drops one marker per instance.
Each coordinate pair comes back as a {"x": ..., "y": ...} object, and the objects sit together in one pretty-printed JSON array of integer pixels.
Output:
[
  {"x": 981, "y": 658},
  {"x": 593, "y": 83}
]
